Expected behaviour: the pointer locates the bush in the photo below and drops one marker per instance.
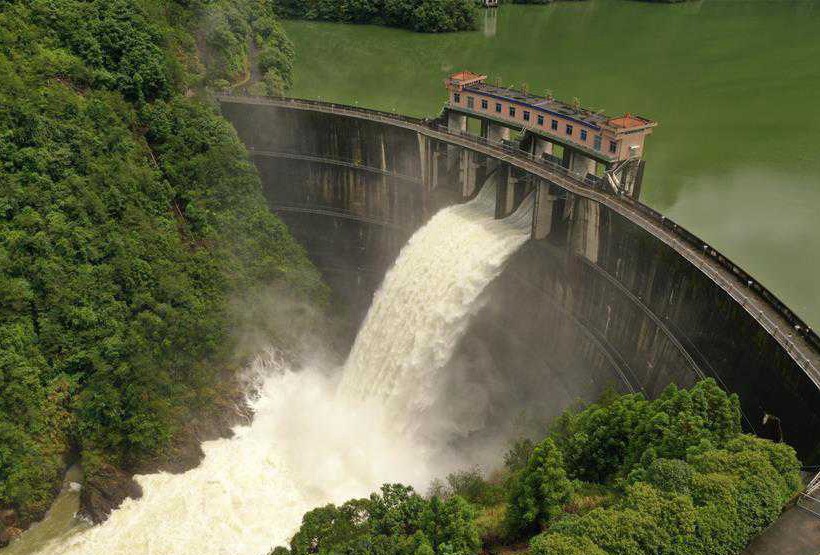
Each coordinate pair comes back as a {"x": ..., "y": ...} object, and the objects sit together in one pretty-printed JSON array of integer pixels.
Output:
[
  {"x": 472, "y": 486},
  {"x": 606, "y": 441},
  {"x": 559, "y": 544},
  {"x": 695, "y": 484},
  {"x": 231, "y": 25},
  {"x": 396, "y": 521},
  {"x": 678, "y": 478}
]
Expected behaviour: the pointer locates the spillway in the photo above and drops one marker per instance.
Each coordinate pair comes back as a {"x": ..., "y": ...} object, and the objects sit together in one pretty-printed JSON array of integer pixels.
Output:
[
  {"x": 423, "y": 306},
  {"x": 315, "y": 439}
]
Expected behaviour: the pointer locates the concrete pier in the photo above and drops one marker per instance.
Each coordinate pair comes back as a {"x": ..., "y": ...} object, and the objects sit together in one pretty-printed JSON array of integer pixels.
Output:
[
  {"x": 505, "y": 195},
  {"x": 586, "y": 238},
  {"x": 544, "y": 204},
  {"x": 467, "y": 173}
]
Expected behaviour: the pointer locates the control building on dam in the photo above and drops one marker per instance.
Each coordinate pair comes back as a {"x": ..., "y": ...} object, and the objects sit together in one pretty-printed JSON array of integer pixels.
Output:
[{"x": 607, "y": 292}]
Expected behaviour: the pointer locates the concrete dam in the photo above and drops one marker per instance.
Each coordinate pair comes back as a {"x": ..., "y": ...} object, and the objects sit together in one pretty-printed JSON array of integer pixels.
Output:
[{"x": 606, "y": 293}]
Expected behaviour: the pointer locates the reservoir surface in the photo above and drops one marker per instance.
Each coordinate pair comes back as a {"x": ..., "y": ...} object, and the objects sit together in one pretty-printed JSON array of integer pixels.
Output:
[{"x": 734, "y": 85}]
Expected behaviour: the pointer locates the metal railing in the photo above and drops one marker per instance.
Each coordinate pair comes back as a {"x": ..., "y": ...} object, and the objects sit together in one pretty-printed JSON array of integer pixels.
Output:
[
  {"x": 332, "y": 160},
  {"x": 592, "y": 187},
  {"x": 810, "y": 498}
]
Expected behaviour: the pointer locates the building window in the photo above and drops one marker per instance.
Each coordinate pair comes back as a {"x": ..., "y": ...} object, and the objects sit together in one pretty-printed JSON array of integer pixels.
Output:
[
  {"x": 541, "y": 120},
  {"x": 597, "y": 142},
  {"x": 498, "y": 107},
  {"x": 583, "y": 134},
  {"x": 484, "y": 104},
  {"x": 613, "y": 147},
  {"x": 569, "y": 129},
  {"x": 554, "y": 125},
  {"x": 512, "y": 111},
  {"x": 456, "y": 98},
  {"x": 526, "y": 115},
  {"x": 470, "y": 102}
]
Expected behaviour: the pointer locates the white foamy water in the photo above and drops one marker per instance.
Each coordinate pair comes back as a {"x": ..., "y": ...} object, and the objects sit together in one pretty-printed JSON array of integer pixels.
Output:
[
  {"x": 303, "y": 449},
  {"x": 313, "y": 442},
  {"x": 424, "y": 304}
]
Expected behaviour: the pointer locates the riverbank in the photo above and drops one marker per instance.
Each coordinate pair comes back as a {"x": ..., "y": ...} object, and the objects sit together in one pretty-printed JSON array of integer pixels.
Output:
[{"x": 109, "y": 486}]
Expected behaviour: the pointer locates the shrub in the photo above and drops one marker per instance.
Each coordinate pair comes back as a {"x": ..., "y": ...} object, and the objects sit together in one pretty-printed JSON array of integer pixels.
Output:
[
  {"x": 472, "y": 486},
  {"x": 560, "y": 544}
]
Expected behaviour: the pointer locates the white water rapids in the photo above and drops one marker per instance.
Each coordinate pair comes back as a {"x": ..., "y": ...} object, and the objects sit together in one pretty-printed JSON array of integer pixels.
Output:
[{"x": 313, "y": 439}]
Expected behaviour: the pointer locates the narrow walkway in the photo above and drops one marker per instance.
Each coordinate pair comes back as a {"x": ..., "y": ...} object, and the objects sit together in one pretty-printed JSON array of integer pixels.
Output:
[
  {"x": 331, "y": 161},
  {"x": 797, "y": 532}
]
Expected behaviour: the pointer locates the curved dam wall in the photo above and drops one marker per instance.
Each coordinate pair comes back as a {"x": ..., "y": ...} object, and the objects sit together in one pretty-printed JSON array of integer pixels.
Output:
[{"x": 599, "y": 301}]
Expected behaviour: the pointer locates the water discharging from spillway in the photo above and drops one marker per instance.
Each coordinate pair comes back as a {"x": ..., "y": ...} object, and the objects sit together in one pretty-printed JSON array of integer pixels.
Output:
[
  {"x": 313, "y": 439},
  {"x": 423, "y": 306}
]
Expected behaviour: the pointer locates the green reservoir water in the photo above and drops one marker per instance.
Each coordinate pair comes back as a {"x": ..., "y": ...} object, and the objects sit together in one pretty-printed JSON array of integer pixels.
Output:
[{"x": 734, "y": 84}]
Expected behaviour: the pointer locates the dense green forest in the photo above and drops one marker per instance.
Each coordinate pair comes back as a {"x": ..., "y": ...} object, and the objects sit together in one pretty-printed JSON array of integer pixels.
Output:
[
  {"x": 429, "y": 16},
  {"x": 133, "y": 231},
  {"x": 624, "y": 476}
]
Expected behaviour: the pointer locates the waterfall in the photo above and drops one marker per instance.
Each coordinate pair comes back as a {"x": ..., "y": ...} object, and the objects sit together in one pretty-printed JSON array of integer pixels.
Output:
[{"x": 424, "y": 304}]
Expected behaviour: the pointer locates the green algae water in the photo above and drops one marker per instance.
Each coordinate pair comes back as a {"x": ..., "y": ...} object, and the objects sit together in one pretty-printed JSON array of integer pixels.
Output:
[{"x": 734, "y": 85}]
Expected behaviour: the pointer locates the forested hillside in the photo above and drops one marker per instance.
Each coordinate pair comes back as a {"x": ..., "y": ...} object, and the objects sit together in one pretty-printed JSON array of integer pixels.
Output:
[
  {"x": 429, "y": 16},
  {"x": 133, "y": 231}
]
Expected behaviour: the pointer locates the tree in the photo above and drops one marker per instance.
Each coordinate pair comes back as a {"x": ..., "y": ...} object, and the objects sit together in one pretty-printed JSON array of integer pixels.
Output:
[
  {"x": 449, "y": 526},
  {"x": 539, "y": 492},
  {"x": 327, "y": 528}
]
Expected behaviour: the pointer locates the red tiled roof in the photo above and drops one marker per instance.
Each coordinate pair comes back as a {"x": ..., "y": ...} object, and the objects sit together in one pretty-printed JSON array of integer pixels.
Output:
[
  {"x": 466, "y": 76},
  {"x": 628, "y": 121}
]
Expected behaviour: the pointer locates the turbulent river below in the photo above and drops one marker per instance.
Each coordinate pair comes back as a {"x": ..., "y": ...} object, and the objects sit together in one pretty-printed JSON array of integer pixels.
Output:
[{"x": 322, "y": 434}]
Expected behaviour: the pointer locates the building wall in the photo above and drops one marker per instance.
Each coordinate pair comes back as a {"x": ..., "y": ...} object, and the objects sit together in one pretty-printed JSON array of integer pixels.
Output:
[
  {"x": 518, "y": 121},
  {"x": 628, "y": 140}
]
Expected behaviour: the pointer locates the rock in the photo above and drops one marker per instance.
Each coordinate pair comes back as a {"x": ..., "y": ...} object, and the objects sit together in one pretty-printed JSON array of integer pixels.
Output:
[
  {"x": 8, "y": 517},
  {"x": 8, "y": 535},
  {"x": 104, "y": 491}
]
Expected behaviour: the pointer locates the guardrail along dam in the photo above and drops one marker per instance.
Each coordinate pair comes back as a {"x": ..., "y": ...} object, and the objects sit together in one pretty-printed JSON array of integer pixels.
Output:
[{"x": 605, "y": 292}]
